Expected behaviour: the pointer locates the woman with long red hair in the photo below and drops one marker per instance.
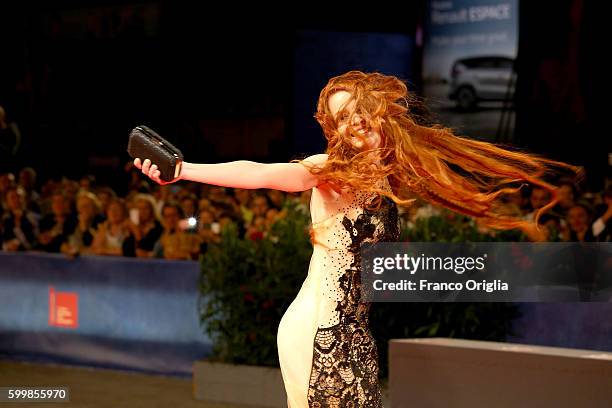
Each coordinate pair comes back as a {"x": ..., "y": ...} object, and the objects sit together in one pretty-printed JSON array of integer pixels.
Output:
[{"x": 378, "y": 157}]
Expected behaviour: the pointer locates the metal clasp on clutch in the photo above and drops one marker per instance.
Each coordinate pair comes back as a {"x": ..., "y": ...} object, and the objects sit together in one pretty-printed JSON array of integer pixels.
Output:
[{"x": 177, "y": 168}]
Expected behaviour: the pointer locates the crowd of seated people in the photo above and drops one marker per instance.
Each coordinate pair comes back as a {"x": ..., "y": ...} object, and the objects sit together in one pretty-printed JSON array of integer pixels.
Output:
[
  {"x": 172, "y": 221},
  {"x": 178, "y": 221}
]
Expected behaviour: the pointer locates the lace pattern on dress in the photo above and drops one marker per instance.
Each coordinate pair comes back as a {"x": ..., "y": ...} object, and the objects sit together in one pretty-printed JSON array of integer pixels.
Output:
[{"x": 345, "y": 359}]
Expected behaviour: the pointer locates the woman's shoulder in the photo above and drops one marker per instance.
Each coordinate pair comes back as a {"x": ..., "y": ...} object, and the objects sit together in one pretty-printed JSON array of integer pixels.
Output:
[{"x": 319, "y": 158}]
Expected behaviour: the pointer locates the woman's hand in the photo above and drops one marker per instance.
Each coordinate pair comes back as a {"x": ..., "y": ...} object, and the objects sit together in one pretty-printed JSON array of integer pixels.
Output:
[{"x": 149, "y": 169}]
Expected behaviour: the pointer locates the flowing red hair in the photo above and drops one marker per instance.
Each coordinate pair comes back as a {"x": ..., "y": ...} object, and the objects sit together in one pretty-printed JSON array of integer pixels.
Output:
[{"x": 464, "y": 175}]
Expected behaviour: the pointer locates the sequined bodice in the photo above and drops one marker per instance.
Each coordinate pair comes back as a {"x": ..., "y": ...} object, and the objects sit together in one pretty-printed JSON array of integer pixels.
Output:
[{"x": 344, "y": 222}]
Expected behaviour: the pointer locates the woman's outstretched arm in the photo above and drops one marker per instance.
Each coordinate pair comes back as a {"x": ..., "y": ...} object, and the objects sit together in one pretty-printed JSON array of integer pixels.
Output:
[{"x": 289, "y": 177}]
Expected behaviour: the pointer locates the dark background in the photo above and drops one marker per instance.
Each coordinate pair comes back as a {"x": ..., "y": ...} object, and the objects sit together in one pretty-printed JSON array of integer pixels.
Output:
[{"x": 242, "y": 83}]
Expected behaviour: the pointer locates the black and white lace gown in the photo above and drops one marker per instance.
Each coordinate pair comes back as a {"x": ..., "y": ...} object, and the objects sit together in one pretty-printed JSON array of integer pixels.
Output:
[{"x": 328, "y": 357}]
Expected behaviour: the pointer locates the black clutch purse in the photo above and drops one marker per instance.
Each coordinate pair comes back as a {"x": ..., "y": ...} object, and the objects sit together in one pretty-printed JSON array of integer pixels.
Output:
[{"x": 144, "y": 143}]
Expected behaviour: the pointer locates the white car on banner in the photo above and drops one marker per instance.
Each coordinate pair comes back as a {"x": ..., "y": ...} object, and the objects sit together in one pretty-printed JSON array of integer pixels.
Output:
[{"x": 485, "y": 78}]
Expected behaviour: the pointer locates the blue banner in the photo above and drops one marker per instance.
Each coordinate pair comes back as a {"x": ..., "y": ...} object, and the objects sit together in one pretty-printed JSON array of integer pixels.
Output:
[
  {"x": 102, "y": 311},
  {"x": 469, "y": 52}
]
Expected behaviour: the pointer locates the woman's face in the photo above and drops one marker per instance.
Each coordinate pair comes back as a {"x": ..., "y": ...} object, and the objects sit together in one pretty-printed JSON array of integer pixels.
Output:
[
  {"x": 170, "y": 217},
  {"x": 116, "y": 213},
  {"x": 242, "y": 195},
  {"x": 539, "y": 198},
  {"x": 370, "y": 134},
  {"x": 58, "y": 205},
  {"x": 566, "y": 196},
  {"x": 216, "y": 193},
  {"x": 276, "y": 196},
  {"x": 204, "y": 203},
  {"x": 145, "y": 212},
  {"x": 259, "y": 206},
  {"x": 206, "y": 217},
  {"x": 189, "y": 206},
  {"x": 577, "y": 218},
  {"x": 104, "y": 198},
  {"x": 85, "y": 207}
]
